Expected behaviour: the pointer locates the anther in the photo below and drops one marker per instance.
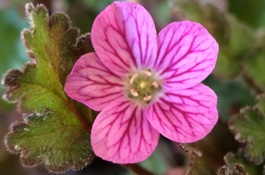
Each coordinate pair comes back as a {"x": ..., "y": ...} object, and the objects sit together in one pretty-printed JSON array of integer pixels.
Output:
[
  {"x": 155, "y": 84},
  {"x": 148, "y": 98},
  {"x": 134, "y": 92},
  {"x": 133, "y": 78},
  {"x": 146, "y": 72}
]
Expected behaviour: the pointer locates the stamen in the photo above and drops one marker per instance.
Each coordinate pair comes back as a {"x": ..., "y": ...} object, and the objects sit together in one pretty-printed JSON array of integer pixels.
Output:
[
  {"x": 155, "y": 84},
  {"x": 134, "y": 92},
  {"x": 148, "y": 98},
  {"x": 146, "y": 72},
  {"x": 142, "y": 86},
  {"x": 133, "y": 78}
]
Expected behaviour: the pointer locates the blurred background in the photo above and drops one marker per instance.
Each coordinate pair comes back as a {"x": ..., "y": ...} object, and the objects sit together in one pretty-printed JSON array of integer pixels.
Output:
[{"x": 237, "y": 25}]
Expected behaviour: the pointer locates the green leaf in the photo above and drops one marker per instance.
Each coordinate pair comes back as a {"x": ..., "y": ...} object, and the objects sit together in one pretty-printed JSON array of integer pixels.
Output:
[
  {"x": 54, "y": 130},
  {"x": 249, "y": 128},
  {"x": 156, "y": 163},
  {"x": 236, "y": 169},
  {"x": 232, "y": 159}
]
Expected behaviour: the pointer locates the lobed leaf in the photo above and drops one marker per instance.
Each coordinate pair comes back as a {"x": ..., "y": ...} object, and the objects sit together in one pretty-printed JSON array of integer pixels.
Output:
[
  {"x": 232, "y": 160},
  {"x": 248, "y": 128},
  {"x": 236, "y": 169},
  {"x": 56, "y": 130}
]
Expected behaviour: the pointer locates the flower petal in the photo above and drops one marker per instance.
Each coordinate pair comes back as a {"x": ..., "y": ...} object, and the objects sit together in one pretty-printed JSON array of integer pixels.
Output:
[
  {"x": 122, "y": 134},
  {"x": 187, "y": 54},
  {"x": 124, "y": 37},
  {"x": 186, "y": 115},
  {"x": 92, "y": 84}
]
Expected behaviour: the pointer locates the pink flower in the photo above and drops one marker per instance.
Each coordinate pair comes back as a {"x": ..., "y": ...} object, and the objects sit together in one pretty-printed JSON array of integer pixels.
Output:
[{"x": 143, "y": 83}]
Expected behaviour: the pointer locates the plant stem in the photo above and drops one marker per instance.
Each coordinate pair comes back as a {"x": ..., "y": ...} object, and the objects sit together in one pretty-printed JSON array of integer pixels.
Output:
[{"x": 137, "y": 169}]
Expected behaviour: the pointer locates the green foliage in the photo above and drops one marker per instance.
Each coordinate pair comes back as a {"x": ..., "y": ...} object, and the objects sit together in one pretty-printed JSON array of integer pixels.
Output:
[
  {"x": 235, "y": 39},
  {"x": 202, "y": 166},
  {"x": 251, "y": 12},
  {"x": 254, "y": 67},
  {"x": 56, "y": 129},
  {"x": 232, "y": 95},
  {"x": 232, "y": 159},
  {"x": 212, "y": 150},
  {"x": 53, "y": 131},
  {"x": 97, "y": 5},
  {"x": 248, "y": 128},
  {"x": 236, "y": 169},
  {"x": 155, "y": 162}
]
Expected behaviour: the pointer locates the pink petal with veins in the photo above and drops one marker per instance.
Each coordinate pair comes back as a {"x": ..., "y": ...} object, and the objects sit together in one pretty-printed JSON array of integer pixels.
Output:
[
  {"x": 122, "y": 134},
  {"x": 124, "y": 37},
  {"x": 187, "y": 54},
  {"x": 185, "y": 116},
  {"x": 92, "y": 83}
]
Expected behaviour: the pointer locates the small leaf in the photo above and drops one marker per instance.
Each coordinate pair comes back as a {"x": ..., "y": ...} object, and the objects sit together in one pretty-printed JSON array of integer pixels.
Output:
[
  {"x": 232, "y": 159},
  {"x": 156, "y": 163},
  {"x": 56, "y": 130},
  {"x": 44, "y": 137},
  {"x": 236, "y": 169},
  {"x": 249, "y": 128}
]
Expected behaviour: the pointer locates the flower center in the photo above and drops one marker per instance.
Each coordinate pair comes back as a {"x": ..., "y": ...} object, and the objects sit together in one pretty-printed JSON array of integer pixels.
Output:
[{"x": 143, "y": 86}]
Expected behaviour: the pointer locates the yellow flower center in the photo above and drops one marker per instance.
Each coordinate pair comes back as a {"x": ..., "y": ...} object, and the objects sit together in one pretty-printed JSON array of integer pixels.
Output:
[{"x": 143, "y": 87}]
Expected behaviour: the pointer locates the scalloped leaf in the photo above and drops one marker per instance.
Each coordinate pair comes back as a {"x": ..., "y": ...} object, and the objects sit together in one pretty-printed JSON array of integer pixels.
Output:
[
  {"x": 236, "y": 169},
  {"x": 249, "y": 128},
  {"x": 56, "y": 130},
  {"x": 235, "y": 39},
  {"x": 232, "y": 159}
]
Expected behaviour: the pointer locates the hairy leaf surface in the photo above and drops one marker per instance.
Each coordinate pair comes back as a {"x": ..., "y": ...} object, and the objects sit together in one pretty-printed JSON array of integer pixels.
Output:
[
  {"x": 54, "y": 130},
  {"x": 248, "y": 128}
]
